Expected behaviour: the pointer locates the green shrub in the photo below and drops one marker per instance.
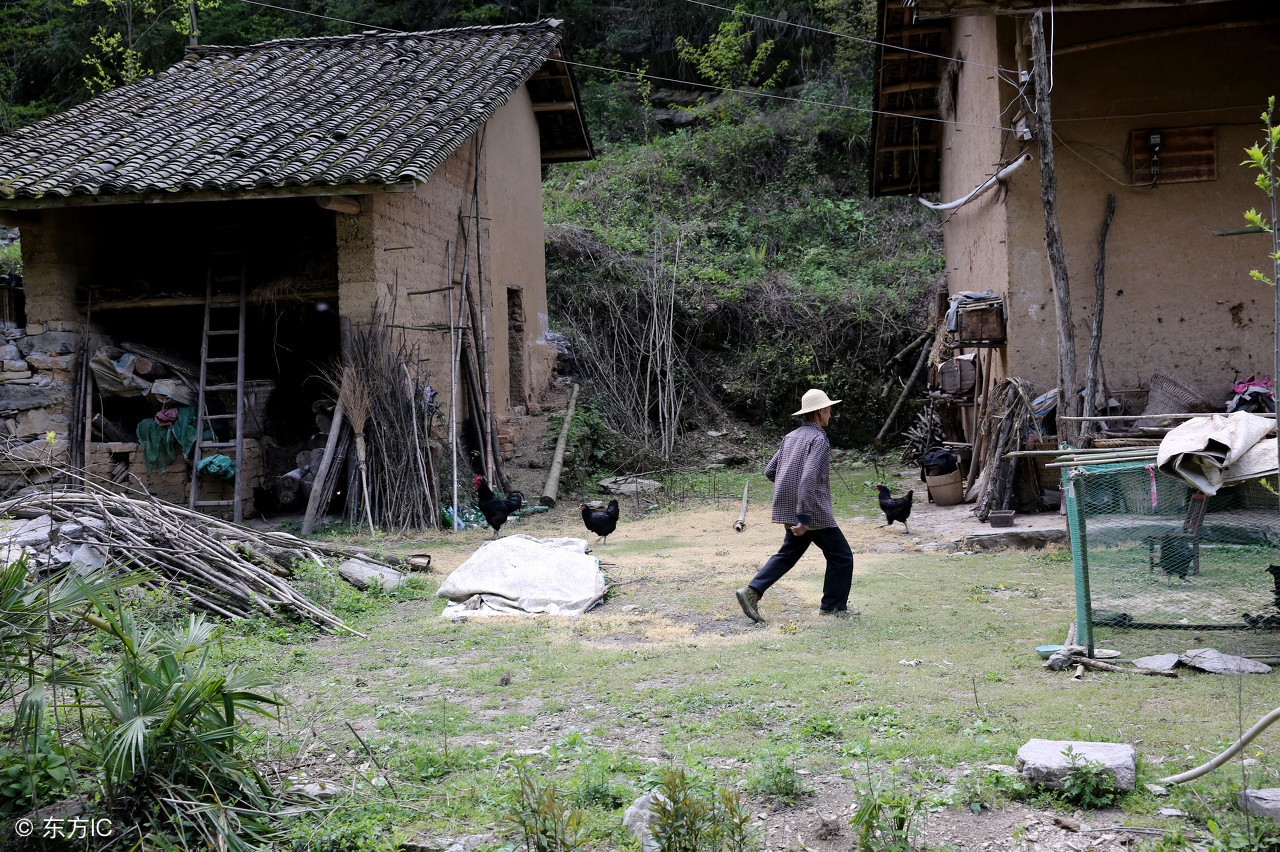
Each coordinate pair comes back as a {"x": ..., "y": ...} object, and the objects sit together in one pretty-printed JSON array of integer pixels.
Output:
[
  {"x": 885, "y": 819},
  {"x": 777, "y": 779},
  {"x": 686, "y": 819},
  {"x": 32, "y": 774},
  {"x": 544, "y": 819},
  {"x": 11, "y": 259},
  {"x": 1088, "y": 783}
]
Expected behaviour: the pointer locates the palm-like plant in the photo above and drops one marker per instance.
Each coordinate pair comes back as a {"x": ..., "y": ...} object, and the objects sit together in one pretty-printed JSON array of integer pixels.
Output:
[{"x": 168, "y": 736}]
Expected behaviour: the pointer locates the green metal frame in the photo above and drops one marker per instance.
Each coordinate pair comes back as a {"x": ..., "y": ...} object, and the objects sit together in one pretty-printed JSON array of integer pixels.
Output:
[{"x": 1077, "y": 532}]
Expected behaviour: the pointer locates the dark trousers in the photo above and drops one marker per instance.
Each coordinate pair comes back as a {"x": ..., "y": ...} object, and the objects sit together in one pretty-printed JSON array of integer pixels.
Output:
[{"x": 832, "y": 543}]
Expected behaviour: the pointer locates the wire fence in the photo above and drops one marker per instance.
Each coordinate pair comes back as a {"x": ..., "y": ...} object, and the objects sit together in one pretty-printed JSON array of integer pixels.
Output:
[{"x": 1162, "y": 568}]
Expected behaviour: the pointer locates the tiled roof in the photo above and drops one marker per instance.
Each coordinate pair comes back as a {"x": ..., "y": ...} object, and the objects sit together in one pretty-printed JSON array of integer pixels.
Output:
[{"x": 365, "y": 109}]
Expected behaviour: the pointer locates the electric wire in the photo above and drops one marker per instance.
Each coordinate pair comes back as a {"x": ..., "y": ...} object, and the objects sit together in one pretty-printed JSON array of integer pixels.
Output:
[
  {"x": 644, "y": 76},
  {"x": 898, "y": 47}
]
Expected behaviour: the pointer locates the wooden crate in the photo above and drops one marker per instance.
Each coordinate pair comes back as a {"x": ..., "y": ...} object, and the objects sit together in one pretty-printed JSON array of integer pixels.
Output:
[
  {"x": 958, "y": 376},
  {"x": 981, "y": 325}
]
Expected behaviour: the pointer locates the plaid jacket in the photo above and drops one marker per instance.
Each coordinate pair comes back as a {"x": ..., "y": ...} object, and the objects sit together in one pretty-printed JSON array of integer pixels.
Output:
[{"x": 801, "y": 475}]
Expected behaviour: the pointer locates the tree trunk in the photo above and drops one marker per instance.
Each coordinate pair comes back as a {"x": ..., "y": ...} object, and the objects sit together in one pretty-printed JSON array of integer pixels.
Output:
[
  {"x": 1095, "y": 334},
  {"x": 1069, "y": 399}
]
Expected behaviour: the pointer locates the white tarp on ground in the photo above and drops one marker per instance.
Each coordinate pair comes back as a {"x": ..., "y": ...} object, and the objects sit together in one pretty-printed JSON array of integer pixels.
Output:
[
  {"x": 523, "y": 575},
  {"x": 1220, "y": 449}
]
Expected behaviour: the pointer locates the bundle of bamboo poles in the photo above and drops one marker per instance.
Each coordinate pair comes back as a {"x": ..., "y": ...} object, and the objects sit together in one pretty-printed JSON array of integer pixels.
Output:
[
  {"x": 221, "y": 568},
  {"x": 1005, "y": 427},
  {"x": 402, "y": 492}
]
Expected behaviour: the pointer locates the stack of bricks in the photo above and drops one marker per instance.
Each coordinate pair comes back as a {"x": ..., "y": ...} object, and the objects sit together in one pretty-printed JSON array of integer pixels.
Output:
[{"x": 507, "y": 445}]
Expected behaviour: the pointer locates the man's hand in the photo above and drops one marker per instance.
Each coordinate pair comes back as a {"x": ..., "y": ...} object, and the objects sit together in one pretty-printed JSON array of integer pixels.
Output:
[{"x": 799, "y": 529}]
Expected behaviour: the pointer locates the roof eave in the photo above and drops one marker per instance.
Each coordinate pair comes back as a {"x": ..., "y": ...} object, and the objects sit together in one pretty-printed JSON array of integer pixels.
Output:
[{"x": 47, "y": 202}]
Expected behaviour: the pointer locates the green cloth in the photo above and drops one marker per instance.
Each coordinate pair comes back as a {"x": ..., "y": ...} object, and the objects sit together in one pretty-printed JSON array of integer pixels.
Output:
[
  {"x": 217, "y": 467},
  {"x": 161, "y": 446},
  {"x": 158, "y": 447}
]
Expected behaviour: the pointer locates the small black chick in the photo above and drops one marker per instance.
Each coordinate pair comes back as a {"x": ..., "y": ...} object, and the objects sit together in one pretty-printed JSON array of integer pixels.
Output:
[
  {"x": 601, "y": 523},
  {"x": 895, "y": 508},
  {"x": 496, "y": 510}
]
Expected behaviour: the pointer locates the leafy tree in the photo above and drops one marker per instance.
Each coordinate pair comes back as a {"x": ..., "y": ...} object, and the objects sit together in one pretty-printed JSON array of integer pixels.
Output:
[
  {"x": 1263, "y": 158},
  {"x": 134, "y": 35},
  {"x": 727, "y": 59}
]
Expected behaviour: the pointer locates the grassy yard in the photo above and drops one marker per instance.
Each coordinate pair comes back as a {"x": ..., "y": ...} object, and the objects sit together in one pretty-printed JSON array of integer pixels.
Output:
[{"x": 936, "y": 681}]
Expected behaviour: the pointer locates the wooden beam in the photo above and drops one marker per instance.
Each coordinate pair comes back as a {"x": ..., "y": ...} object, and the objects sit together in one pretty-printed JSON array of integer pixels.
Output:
[
  {"x": 50, "y": 202},
  {"x": 192, "y": 301},
  {"x": 340, "y": 203},
  {"x": 555, "y": 106},
  {"x": 1166, "y": 32},
  {"x": 567, "y": 154},
  {"x": 949, "y": 8},
  {"x": 18, "y": 220}
]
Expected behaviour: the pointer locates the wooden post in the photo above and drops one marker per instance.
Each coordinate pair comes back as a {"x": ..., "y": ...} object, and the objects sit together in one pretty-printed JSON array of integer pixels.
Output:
[
  {"x": 1068, "y": 400},
  {"x": 1099, "y": 297},
  {"x": 549, "y": 490}
]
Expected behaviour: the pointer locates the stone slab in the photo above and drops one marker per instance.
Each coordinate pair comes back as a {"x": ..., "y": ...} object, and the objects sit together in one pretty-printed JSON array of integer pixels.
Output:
[
  {"x": 638, "y": 819},
  {"x": 1157, "y": 662},
  {"x": 1214, "y": 661},
  {"x": 1042, "y": 763},
  {"x": 1262, "y": 802},
  {"x": 1016, "y": 539}
]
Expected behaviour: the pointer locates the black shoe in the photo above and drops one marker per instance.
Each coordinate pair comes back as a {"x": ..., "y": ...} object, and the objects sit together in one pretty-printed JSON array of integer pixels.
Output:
[{"x": 841, "y": 613}]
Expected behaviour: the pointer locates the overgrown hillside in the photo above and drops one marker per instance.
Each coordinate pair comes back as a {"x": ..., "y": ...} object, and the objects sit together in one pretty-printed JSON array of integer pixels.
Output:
[{"x": 749, "y": 240}]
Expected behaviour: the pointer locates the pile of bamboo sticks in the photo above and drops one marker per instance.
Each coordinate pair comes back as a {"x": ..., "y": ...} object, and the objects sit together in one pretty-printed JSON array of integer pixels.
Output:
[{"x": 218, "y": 567}]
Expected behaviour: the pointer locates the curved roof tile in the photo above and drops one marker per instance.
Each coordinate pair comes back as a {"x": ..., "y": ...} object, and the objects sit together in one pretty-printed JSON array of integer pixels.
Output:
[{"x": 363, "y": 109}]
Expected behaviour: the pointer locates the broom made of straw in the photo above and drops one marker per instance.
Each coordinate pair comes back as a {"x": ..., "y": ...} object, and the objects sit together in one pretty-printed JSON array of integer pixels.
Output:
[{"x": 353, "y": 397}]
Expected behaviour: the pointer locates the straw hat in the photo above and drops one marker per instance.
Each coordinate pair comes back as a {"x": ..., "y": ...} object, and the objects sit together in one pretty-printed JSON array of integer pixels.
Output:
[{"x": 813, "y": 400}]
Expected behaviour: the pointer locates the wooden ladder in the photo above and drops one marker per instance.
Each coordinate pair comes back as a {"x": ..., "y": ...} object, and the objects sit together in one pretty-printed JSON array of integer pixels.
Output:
[{"x": 226, "y": 277}]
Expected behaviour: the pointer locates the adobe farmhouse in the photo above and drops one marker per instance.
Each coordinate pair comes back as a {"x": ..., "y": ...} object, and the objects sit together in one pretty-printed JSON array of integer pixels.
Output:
[
  {"x": 1152, "y": 101},
  {"x": 263, "y": 204}
]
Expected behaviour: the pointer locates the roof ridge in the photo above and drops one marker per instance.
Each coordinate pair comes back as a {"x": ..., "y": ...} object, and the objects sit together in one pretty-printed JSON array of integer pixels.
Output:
[{"x": 201, "y": 50}]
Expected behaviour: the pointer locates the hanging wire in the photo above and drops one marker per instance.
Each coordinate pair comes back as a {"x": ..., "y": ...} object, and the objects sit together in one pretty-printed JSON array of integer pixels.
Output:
[
  {"x": 902, "y": 48},
  {"x": 677, "y": 81}
]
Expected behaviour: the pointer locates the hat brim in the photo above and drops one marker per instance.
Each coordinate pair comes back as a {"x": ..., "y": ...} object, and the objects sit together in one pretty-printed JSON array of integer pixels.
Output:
[{"x": 810, "y": 409}]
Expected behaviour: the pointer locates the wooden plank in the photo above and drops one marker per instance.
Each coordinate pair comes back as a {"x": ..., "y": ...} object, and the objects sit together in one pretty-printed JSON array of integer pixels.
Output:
[
  {"x": 947, "y": 8},
  {"x": 555, "y": 106},
  {"x": 339, "y": 203}
]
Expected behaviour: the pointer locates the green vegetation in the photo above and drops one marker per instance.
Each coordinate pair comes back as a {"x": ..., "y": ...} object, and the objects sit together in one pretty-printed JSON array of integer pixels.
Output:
[{"x": 11, "y": 259}]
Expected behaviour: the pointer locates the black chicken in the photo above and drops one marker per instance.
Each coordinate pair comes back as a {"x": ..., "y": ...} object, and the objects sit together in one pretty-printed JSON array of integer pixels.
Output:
[
  {"x": 496, "y": 511},
  {"x": 895, "y": 508},
  {"x": 601, "y": 523}
]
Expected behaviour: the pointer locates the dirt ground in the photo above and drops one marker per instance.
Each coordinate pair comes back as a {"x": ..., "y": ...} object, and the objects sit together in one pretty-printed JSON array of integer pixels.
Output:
[
  {"x": 650, "y": 613},
  {"x": 655, "y": 558}
]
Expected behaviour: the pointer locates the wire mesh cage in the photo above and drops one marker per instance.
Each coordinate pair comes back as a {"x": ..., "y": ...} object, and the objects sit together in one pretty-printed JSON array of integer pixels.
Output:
[{"x": 1161, "y": 567}]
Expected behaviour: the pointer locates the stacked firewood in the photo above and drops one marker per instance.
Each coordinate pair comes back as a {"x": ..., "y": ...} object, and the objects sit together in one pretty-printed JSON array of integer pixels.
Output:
[{"x": 212, "y": 565}]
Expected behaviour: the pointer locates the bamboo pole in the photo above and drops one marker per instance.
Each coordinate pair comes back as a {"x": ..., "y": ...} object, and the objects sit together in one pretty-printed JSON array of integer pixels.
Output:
[
  {"x": 491, "y": 469},
  {"x": 453, "y": 397},
  {"x": 549, "y": 490}
]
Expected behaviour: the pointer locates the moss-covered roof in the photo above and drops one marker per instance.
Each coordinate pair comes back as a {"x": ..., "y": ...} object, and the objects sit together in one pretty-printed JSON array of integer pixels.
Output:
[{"x": 372, "y": 109}]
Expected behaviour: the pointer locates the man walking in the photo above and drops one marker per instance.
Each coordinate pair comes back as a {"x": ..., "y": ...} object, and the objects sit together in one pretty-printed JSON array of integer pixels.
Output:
[{"x": 801, "y": 473}]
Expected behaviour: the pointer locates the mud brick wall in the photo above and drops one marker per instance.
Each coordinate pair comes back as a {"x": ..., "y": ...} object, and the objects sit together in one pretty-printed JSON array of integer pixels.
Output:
[{"x": 122, "y": 462}]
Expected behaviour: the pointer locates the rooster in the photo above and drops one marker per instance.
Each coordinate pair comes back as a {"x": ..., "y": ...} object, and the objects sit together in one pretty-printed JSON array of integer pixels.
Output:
[
  {"x": 601, "y": 523},
  {"x": 895, "y": 508},
  {"x": 496, "y": 511}
]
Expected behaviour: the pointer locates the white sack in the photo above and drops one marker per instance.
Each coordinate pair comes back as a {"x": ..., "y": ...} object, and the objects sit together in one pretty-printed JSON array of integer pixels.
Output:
[
  {"x": 520, "y": 575},
  {"x": 1210, "y": 451}
]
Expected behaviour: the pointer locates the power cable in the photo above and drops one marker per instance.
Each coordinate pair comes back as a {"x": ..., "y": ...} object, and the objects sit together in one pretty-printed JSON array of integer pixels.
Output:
[
  {"x": 644, "y": 76},
  {"x": 898, "y": 47}
]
